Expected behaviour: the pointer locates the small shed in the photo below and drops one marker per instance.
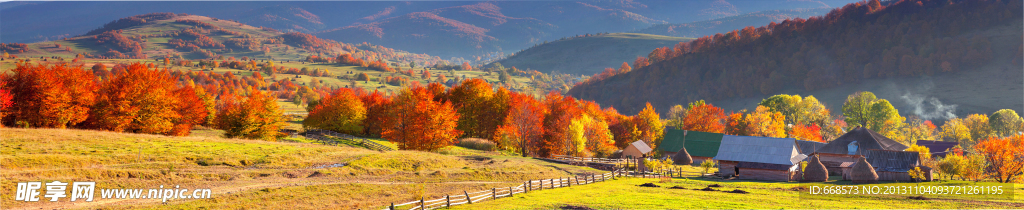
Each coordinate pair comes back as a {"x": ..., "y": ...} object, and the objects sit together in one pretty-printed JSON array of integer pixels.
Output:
[
  {"x": 760, "y": 158},
  {"x": 636, "y": 149},
  {"x": 938, "y": 149}
]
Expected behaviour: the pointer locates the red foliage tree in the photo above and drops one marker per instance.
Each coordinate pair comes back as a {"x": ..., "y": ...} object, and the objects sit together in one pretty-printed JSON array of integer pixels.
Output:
[
  {"x": 705, "y": 118},
  {"x": 523, "y": 126},
  {"x": 55, "y": 96},
  {"x": 417, "y": 122},
  {"x": 1005, "y": 156}
]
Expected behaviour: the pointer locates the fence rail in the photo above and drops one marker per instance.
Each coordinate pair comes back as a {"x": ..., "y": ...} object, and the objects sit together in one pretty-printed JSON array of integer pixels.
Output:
[
  {"x": 527, "y": 186},
  {"x": 332, "y": 138}
]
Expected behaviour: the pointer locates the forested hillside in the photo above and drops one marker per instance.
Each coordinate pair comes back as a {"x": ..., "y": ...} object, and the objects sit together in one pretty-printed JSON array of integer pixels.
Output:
[
  {"x": 588, "y": 54},
  {"x": 850, "y": 45}
]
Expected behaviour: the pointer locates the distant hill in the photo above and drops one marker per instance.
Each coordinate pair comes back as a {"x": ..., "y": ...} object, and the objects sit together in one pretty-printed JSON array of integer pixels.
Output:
[
  {"x": 858, "y": 47},
  {"x": 158, "y": 35},
  {"x": 507, "y": 26},
  {"x": 482, "y": 28},
  {"x": 589, "y": 54},
  {"x": 726, "y": 24}
]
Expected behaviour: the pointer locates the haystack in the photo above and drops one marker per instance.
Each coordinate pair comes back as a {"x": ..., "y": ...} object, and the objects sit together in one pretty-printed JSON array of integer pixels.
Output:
[
  {"x": 682, "y": 157},
  {"x": 815, "y": 171},
  {"x": 863, "y": 173}
]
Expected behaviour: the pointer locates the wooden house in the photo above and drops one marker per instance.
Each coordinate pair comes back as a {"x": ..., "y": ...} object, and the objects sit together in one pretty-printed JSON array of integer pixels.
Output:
[
  {"x": 759, "y": 158},
  {"x": 636, "y": 149},
  {"x": 851, "y": 146}
]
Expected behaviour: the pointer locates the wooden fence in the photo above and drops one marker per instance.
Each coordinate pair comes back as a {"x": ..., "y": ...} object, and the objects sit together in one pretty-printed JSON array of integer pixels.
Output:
[
  {"x": 332, "y": 138},
  {"x": 588, "y": 159},
  {"x": 527, "y": 186}
]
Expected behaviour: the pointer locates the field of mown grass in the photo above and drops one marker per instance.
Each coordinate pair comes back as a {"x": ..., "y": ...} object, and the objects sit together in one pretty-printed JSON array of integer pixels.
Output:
[
  {"x": 626, "y": 194},
  {"x": 290, "y": 173}
]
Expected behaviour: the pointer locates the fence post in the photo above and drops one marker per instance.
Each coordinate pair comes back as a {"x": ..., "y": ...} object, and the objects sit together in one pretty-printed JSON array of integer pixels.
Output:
[
  {"x": 531, "y": 185},
  {"x": 470, "y": 201},
  {"x": 392, "y": 206},
  {"x": 593, "y": 178},
  {"x": 510, "y": 192},
  {"x": 421, "y": 203},
  {"x": 494, "y": 193},
  {"x": 577, "y": 179},
  {"x": 448, "y": 200}
]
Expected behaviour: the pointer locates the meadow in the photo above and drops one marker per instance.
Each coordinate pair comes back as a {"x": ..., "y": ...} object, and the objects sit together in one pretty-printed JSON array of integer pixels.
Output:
[{"x": 252, "y": 173}]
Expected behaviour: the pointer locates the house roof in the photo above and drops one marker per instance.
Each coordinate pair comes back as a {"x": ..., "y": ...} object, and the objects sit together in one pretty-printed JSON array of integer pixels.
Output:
[
  {"x": 673, "y": 140},
  {"x": 808, "y": 147},
  {"x": 641, "y": 146},
  {"x": 894, "y": 161},
  {"x": 866, "y": 140},
  {"x": 702, "y": 144},
  {"x": 782, "y": 151},
  {"x": 937, "y": 148}
]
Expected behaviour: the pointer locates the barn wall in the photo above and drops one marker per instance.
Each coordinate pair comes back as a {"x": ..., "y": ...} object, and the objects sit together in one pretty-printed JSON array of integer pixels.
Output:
[
  {"x": 632, "y": 151},
  {"x": 763, "y": 174},
  {"x": 726, "y": 168}
]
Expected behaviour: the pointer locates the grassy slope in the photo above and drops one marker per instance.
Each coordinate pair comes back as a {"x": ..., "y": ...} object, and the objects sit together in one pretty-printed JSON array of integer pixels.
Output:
[
  {"x": 625, "y": 194},
  {"x": 589, "y": 55},
  {"x": 252, "y": 171}
]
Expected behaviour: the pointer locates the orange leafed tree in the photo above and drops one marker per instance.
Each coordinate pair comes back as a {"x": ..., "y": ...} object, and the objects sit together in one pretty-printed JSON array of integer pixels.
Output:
[
  {"x": 341, "y": 111},
  {"x": 192, "y": 110},
  {"x": 735, "y": 124},
  {"x": 137, "y": 100},
  {"x": 524, "y": 125},
  {"x": 561, "y": 111},
  {"x": 56, "y": 96},
  {"x": 1005, "y": 156},
  {"x": 763, "y": 122},
  {"x": 621, "y": 126},
  {"x": 254, "y": 117},
  {"x": 376, "y": 110},
  {"x": 5, "y": 100},
  {"x": 807, "y": 133},
  {"x": 472, "y": 99},
  {"x": 417, "y": 122},
  {"x": 704, "y": 118},
  {"x": 648, "y": 122}
]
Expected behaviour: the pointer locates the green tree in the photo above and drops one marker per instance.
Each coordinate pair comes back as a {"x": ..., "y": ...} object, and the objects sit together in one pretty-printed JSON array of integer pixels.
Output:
[
  {"x": 1005, "y": 122},
  {"x": 886, "y": 120},
  {"x": 857, "y": 108}
]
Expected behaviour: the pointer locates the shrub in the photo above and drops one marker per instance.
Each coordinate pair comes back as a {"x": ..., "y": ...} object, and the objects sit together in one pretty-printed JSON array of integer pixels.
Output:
[{"x": 477, "y": 144}]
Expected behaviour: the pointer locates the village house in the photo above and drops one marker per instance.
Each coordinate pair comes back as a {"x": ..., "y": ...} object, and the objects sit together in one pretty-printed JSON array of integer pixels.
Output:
[
  {"x": 636, "y": 149},
  {"x": 851, "y": 146},
  {"x": 759, "y": 158}
]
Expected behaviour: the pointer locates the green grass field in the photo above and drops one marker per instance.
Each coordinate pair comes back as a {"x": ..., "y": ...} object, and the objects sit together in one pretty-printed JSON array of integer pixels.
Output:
[{"x": 626, "y": 194}]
